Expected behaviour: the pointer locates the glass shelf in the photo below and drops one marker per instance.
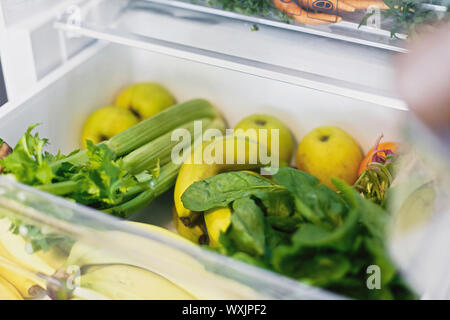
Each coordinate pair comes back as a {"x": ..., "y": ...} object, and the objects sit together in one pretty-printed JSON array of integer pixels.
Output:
[
  {"x": 283, "y": 55},
  {"x": 349, "y": 29}
]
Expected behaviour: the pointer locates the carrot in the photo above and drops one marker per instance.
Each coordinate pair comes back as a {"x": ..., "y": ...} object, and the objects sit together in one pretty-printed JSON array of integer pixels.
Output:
[
  {"x": 298, "y": 14},
  {"x": 366, "y": 4},
  {"x": 327, "y": 5},
  {"x": 368, "y": 158}
]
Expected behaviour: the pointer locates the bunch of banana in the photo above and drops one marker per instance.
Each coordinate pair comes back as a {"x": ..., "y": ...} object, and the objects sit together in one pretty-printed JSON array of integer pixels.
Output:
[
  {"x": 8, "y": 291},
  {"x": 196, "y": 232},
  {"x": 170, "y": 274},
  {"x": 17, "y": 265},
  {"x": 216, "y": 220},
  {"x": 128, "y": 282}
]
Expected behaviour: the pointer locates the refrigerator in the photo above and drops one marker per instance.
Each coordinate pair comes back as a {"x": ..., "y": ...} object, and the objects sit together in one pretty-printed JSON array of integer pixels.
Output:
[{"x": 64, "y": 59}]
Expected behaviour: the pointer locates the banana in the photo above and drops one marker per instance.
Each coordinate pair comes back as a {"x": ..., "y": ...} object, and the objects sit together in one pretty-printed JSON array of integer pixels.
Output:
[
  {"x": 246, "y": 156},
  {"x": 125, "y": 282},
  {"x": 195, "y": 233},
  {"x": 54, "y": 257},
  {"x": 169, "y": 264},
  {"x": 12, "y": 249},
  {"x": 14, "y": 246},
  {"x": 217, "y": 221},
  {"x": 82, "y": 254},
  {"x": 156, "y": 229},
  {"x": 8, "y": 291},
  {"x": 27, "y": 287}
]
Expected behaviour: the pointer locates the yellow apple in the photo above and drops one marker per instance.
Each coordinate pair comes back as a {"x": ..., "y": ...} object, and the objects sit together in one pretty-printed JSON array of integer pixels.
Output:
[
  {"x": 328, "y": 152},
  {"x": 267, "y": 122},
  {"x": 145, "y": 99},
  {"x": 106, "y": 122}
]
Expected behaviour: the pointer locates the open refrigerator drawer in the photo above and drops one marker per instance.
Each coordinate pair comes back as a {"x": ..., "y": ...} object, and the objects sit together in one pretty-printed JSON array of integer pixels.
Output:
[{"x": 238, "y": 83}]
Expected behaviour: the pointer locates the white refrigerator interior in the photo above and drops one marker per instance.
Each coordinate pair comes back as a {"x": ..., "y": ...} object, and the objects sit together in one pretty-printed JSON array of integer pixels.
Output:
[{"x": 57, "y": 73}]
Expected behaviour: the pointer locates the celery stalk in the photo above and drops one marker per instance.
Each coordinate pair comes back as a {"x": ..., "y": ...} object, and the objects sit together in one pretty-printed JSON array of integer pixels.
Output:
[
  {"x": 146, "y": 156},
  {"x": 165, "y": 181},
  {"x": 59, "y": 188}
]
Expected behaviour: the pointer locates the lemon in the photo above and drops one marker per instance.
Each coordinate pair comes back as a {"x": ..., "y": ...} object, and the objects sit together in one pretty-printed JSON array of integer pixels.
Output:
[
  {"x": 106, "y": 122},
  {"x": 328, "y": 152},
  {"x": 145, "y": 99}
]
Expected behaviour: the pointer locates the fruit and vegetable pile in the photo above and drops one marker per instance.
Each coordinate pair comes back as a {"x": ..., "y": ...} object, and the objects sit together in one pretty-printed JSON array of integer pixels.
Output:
[{"x": 322, "y": 221}]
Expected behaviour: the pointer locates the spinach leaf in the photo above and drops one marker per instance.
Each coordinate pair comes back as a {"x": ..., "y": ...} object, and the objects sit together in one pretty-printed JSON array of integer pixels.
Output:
[
  {"x": 302, "y": 229},
  {"x": 286, "y": 224},
  {"x": 372, "y": 216},
  {"x": 341, "y": 238},
  {"x": 313, "y": 268},
  {"x": 279, "y": 204},
  {"x": 316, "y": 203},
  {"x": 381, "y": 259},
  {"x": 222, "y": 189},
  {"x": 247, "y": 227},
  {"x": 280, "y": 210}
]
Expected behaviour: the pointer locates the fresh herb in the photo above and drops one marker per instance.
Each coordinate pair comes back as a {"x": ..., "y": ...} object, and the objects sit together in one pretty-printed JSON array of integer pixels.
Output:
[
  {"x": 249, "y": 7},
  {"x": 260, "y": 8},
  {"x": 374, "y": 182},
  {"x": 100, "y": 182},
  {"x": 406, "y": 15},
  {"x": 333, "y": 236}
]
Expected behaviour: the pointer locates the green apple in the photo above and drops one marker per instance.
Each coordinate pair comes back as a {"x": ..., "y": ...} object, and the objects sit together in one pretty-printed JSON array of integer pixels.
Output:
[
  {"x": 267, "y": 122},
  {"x": 145, "y": 99}
]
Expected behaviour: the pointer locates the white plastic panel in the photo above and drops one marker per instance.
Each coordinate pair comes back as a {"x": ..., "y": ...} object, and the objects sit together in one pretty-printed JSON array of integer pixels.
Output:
[{"x": 15, "y": 11}]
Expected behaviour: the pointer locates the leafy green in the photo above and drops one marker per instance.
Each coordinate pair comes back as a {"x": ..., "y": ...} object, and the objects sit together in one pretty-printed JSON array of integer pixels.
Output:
[
  {"x": 102, "y": 181},
  {"x": 312, "y": 268},
  {"x": 28, "y": 162},
  {"x": 299, "y": 228},
  {"x": 341, "y": 238},
  {"x": 373, "y": 216},
  {"x": 204, "y": 194},
  {"x": 249, "y": 7},
  {"x": 406, "y": 15},
  {"x": 316, "y": 203},
  {"x": 247, "y": 227}
]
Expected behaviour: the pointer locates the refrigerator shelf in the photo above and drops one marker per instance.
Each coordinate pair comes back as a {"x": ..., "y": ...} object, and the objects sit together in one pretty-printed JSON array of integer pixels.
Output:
[
  {"x": 348, "y": 29},
  {"x": 131, "y": 24}
]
